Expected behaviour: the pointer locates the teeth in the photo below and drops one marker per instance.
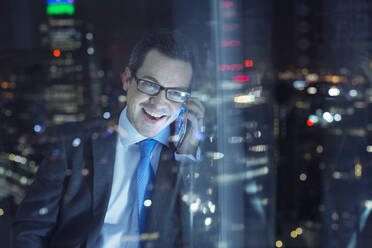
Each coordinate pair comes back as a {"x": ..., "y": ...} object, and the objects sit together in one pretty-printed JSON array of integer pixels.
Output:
[{"x": 155, "y": 115}]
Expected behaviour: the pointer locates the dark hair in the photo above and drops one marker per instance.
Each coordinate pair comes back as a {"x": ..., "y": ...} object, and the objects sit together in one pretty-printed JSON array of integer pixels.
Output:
[{"x": 170, "y": 43}]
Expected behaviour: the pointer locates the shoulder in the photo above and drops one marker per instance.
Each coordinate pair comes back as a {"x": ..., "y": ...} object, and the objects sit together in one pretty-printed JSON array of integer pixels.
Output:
[
  {"x": 85, "y": 128},
  {"x": 70, "y": 140}
]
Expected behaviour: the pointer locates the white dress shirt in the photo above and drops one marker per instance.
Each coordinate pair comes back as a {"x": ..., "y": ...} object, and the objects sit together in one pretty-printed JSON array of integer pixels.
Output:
[{"x": 120, "y": 228}]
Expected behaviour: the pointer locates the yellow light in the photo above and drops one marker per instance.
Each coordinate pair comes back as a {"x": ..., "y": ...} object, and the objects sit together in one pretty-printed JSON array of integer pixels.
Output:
[
  {"x": 122, "y": 98},
  {"x": 215, "y": 155},
  {"x": 299, "y": 230},
  {"x": 335, "y": 79},
  {"x": 369, "y": 148},
  {"x": 258, "y": 148},
  {"x": 337, "y": 175},
  {"x": 305, "y": 71},
  {"x": 244, "y": 99},
  {"x": 319, "y": 149},
  {"x": 358, "y": 170},
  {"x": 303, "y": 177},
  {"x": 1, "y": 212},
  {"x": 312, "y": 77},
  {"x": 328, "y": 78},
  {"x": 279, "y": 243},
  {"x": 11, "y": 157},
  {"x": 5, "y": 85},
  {"x": 293, "y": 234}
]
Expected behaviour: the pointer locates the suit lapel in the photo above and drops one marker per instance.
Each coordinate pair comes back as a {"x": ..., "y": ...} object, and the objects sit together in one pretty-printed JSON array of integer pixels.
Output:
[
  {"x": 164, "y": 197},
  {"x": 103, "y": 152},
  {"x": 104, "y": 147}
]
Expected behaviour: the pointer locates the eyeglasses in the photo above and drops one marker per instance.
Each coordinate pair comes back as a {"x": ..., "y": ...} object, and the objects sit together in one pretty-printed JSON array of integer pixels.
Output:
[{"x": 152, "y": 89}]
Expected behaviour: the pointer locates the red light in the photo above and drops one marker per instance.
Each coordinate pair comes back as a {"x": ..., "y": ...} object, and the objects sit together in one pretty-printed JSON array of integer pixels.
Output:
[
  {"x": 227, "y": 4},
  {"x": 310, "y": 123},
  {"x": 57, "y": 53},
  {"x": 233, "y": 67},
  {"x": 230, "y": 43},
  {"x": 114, "y": 48},
  {"x": 240, "y": 78},
  {"x": 249, "y": 63}
]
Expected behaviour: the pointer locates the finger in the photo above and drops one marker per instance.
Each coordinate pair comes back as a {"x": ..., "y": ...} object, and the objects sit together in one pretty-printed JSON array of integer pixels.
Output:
[
  {"x": 195, "y": 109},
  {"x": 194, "y": 121},
  {"x": 196, "y": 112},
  {"x": 194, "y": 101}
]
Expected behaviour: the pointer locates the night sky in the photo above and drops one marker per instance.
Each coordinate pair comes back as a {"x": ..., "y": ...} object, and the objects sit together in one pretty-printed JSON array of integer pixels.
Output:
[{"x": 116, "y": 24}]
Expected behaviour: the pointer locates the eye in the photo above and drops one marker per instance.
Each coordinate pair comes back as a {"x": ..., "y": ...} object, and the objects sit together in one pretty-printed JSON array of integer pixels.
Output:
[
  {"x": 148, "y": 86},
  {"x": 177, "y": 93},
  {"x": 177, "y": 96}
]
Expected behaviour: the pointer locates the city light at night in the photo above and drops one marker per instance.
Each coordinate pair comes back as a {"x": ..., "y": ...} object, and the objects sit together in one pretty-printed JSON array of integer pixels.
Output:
[{"x": 231, "y": 124}]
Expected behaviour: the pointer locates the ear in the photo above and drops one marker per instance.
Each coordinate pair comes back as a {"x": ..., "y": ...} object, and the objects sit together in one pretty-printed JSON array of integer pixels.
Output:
[{"x": 126, "y": 77}]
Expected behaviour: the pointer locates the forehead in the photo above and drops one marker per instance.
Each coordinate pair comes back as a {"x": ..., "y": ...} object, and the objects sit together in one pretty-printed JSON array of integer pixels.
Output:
[{"x": 167, "y": 71}]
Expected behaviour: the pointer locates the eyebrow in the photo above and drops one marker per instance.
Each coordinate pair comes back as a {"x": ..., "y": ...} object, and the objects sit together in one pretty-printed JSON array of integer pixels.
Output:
[
  {"x": 152, "y": 79},
  {"x": 156, "y": 81}
]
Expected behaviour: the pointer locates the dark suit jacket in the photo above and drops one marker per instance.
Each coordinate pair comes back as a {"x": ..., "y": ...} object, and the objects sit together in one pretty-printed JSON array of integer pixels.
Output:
[{"x": 66, "y": 204}]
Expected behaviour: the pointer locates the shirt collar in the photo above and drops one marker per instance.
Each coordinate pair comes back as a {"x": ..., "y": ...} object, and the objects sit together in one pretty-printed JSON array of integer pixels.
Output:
[{"x": 129, "y": 135}]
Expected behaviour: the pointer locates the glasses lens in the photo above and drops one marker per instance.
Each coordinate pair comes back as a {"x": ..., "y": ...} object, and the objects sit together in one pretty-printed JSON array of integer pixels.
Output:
[
  {"x": 177, "y": 95},
  {"x": 148, "y": 87}
]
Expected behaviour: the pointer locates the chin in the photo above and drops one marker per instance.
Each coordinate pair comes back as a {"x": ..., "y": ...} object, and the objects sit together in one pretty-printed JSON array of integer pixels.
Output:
[
  {"x": 148, "y": 132},
  {"x": 150, "y": 127}
]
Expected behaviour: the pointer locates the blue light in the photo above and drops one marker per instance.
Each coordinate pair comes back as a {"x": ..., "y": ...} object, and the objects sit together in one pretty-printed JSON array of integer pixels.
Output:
[
  {"x": 76, "y": 142},
  {"x": 299, "y": 84},
  {"x": 49, "y": 2},
  {"x": 37, "y": 128},
  {"x": 106, "y": 115}
]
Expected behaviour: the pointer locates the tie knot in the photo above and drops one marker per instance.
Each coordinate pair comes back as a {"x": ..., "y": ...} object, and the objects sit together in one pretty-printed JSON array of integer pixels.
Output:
[{"x": 146, "y": 147}]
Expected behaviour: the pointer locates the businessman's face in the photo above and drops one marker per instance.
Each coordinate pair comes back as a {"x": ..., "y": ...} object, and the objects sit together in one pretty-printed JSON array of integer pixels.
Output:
[{"x": 150, "y": 114}]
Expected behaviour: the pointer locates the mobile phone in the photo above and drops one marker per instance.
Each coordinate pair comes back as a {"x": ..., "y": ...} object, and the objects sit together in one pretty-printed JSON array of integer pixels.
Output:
[{"x": 181, "y": 126}]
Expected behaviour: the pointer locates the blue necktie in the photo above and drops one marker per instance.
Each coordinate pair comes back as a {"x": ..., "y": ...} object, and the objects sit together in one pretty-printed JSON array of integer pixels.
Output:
[{"x": 145, "y": 176}]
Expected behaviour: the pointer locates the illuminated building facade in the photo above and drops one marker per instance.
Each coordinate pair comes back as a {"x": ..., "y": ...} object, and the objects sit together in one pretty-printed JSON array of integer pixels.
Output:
[
  {"x": 325, "y": 126},
  {"x": 245, "y": 122},
  {"x": 234, "y": 185},
  {"x": 347, "y": 198},
  {"x": 19, "y": 144},
  {"x": 72, "y": 73}
]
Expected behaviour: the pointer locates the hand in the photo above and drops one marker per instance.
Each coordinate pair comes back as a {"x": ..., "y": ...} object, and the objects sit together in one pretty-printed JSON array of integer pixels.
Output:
[{"x": 195, "y": 113}]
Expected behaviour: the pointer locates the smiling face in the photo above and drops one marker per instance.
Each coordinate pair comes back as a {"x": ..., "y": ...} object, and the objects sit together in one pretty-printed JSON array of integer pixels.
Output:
[{"x": 151, "y": 114}]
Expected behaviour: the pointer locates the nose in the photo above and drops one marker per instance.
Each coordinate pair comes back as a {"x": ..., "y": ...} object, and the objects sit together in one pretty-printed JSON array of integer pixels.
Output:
[{"x": 159, "y": 99}]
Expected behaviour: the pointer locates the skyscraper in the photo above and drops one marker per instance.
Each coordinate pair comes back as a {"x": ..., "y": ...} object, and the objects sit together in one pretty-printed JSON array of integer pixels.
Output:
[{"x": 70, "y": 69}]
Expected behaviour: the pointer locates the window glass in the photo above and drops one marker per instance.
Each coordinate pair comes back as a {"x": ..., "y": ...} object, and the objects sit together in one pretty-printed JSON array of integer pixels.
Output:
[{"x": 272, "y": 150}]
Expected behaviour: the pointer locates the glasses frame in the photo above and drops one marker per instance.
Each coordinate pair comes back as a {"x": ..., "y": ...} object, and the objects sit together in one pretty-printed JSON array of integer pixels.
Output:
[{"x": 188, "y": 95}]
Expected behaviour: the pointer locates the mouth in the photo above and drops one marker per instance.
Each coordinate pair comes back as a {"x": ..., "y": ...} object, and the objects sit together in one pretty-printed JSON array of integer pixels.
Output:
[{"x": 153, "y": 116}]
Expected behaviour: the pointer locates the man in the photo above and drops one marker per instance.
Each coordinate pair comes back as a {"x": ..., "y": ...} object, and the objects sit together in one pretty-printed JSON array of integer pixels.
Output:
[{"x": 102, "y": 189}]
